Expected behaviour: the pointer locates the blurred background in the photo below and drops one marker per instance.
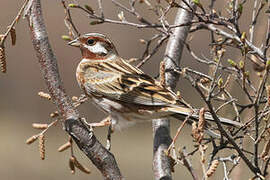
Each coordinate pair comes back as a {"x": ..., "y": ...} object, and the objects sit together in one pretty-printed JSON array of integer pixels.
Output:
[{"x": 20, "y": 106}]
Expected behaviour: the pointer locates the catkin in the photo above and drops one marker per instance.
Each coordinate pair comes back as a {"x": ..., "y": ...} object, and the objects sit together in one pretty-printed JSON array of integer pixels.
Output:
[
  {"x": 201, "y": 122},
  {"x": 71, "y": 164},
  {"x": 44, "y": 95},
  {"x": 80, "y": 166},
  {"x": 31, "y": 139},
  {"x": 39, "y": 126},
  {"x": 266, "y": 149},
  {"x": 204, "y": 80},
  {"x": 13, "y": 36},
  {"x": 54, "y": 114},
  {"x": 3, "y": 63},
  {"x": 64, "y": 147},
  {"x": 162, "y": 73},
  {"x": 212, "y": 169},
  {"x": 41, "y": 144},
  {"x": 142, "y": 41}
]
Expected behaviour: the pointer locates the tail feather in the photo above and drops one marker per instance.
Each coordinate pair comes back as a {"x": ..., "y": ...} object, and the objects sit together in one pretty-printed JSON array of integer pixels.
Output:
[{"x": 182, "y": 112}]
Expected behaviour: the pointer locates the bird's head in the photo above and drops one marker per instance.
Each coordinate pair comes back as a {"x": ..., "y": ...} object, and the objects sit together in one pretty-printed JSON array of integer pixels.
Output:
[{"x": 94, "y": 46}]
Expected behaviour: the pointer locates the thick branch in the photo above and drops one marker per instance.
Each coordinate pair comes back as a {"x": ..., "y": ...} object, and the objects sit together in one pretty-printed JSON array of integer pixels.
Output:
[
  {"x": 161, "y": 127},
  {"x": 94, "y": 150},
  {"x": 84, "y": 138}
]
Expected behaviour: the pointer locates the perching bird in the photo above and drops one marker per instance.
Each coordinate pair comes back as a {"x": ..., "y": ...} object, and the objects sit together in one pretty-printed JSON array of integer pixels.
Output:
[{"x": 123, "y": 91}]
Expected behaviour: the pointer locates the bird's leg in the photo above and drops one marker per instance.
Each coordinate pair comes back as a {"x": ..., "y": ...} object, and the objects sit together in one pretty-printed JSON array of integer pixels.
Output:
[
  {"x": 105, "y": 122},
  {"x": 110, "y": 131}
]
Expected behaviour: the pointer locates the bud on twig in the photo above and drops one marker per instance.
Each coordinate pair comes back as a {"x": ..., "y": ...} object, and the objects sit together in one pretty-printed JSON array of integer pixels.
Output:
[
  {"x": 89, "y": 8},
  {"x": 220, "y": 82},
  {"x": 73, "y": 5},
  {"x": 241, "y": 65},
  {"x": 243, "y": 37},
  {"x": 66, "y": 37},
  {"x": 96, "y": 22},
  {"x": 232, "y": 63},
  {"x": 267, "y": 65}
]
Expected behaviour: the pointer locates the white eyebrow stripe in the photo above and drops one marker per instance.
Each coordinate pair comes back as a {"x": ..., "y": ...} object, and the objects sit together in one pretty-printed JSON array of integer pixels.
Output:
[{"x": 96, "y": 48}]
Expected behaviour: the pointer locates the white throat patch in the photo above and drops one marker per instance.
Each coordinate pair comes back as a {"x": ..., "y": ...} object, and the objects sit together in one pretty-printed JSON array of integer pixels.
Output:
[{"x": 97, "y": 48}]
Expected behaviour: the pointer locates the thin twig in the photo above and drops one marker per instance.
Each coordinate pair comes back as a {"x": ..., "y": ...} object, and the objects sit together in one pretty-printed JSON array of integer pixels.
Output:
[{"x": 11, "y": 26}]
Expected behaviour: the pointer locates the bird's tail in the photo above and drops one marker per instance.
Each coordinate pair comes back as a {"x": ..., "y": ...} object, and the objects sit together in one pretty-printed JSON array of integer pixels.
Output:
[{"x": 182, "y": 112}]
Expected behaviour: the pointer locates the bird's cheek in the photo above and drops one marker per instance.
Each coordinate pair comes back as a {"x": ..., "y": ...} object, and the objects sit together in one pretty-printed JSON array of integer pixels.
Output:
[{"x": 88, "y": 54}]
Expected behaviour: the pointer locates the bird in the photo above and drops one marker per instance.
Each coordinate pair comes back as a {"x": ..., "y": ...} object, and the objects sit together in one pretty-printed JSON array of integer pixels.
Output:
[{"x": 123, "y": 91}]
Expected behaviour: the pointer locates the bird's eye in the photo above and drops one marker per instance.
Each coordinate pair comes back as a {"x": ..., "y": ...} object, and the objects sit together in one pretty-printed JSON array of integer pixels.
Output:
[{"x": 91, "y": 42}]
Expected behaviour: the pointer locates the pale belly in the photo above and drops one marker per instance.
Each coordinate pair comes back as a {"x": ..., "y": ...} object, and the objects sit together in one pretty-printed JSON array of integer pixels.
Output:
[{"x": 125, "y": 115}]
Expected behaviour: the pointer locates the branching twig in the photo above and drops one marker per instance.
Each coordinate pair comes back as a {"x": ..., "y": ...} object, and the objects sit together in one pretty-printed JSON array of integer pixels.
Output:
[
  {"x": 84, "y": 138},
  {"x": 161, "y": 164}
]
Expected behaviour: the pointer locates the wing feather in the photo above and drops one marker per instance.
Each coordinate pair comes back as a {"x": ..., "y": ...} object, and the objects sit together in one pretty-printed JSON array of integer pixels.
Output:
[{"x": 121, "y": 81}]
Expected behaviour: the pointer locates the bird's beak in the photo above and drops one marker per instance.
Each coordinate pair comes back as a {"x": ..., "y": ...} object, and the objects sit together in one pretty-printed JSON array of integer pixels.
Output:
[{"x": 75, "y": 42}]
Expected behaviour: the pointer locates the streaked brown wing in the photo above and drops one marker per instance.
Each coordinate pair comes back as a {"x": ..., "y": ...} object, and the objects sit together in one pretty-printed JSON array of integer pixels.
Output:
[
  {"x": 129, "y": 84},
  {"x": 142, "y": 89}
]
